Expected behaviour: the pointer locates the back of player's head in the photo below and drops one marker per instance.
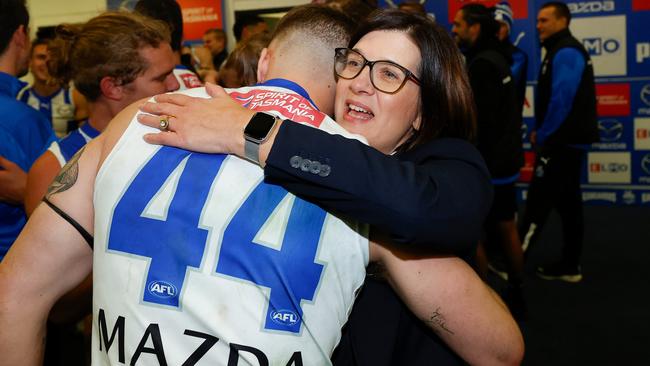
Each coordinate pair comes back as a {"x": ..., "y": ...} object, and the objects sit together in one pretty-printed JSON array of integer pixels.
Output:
[
  {"x": 107, "y": 45},
  {"x": 561, "y": 10},
  {"x": 169, "y": 12},
  {"x": 13, "y": 14},
  {"x": 316, "y": 28}
]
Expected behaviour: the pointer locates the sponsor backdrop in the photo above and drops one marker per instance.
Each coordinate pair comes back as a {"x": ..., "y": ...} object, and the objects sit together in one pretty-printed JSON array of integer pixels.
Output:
[
  {"x": 198, "y": 15},
  {"x": 617, "y": 36}
]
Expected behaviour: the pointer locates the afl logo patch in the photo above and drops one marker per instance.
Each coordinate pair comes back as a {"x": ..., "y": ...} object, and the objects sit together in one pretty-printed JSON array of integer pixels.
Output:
[
  {"x": 285, "y": 317},
  {"x": 162, "y": 289}
]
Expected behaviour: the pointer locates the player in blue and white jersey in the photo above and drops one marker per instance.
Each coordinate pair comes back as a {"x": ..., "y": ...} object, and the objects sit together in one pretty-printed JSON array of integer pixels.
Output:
[
  {"x": 197, "y": 261},
  {"x": 62, "y": 106},
  {"x": 118, "y": 83}
]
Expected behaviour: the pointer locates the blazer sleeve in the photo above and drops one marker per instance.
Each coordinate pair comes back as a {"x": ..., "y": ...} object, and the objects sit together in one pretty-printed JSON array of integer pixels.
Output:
[{"x": 434, "y": 197}]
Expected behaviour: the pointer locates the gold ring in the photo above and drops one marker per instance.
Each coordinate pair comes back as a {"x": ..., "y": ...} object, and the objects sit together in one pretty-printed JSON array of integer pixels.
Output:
[{"x": 164, "y": 123}]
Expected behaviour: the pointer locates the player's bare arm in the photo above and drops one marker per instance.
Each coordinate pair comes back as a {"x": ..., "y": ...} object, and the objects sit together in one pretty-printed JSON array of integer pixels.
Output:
[
  {"x": 48, "y": 259},
  {"x": 447, "y": 295}
]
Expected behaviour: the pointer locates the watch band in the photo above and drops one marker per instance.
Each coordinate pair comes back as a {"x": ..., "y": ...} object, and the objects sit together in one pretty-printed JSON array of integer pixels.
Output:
[{"x": 256, "y": 132}]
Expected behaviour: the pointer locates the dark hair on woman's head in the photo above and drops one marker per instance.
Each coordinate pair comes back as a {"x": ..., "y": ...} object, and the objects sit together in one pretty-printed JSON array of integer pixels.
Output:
[
  {"x": 446, "y": 102},
  {"x": 107, "y": 45}
]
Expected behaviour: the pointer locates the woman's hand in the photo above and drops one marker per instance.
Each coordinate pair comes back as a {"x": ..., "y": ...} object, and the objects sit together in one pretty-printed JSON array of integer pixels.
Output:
[{"x": 214, "y": 125}]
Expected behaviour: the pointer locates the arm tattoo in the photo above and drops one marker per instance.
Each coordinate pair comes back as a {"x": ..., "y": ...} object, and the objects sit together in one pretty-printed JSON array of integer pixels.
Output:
[
  {"x": 438, "y": 321},
  {"x": 67, "y": 176}
]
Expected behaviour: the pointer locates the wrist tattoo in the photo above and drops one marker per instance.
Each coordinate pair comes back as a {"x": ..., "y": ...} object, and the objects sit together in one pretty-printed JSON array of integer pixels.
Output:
[{"x": 67, "y": 177}]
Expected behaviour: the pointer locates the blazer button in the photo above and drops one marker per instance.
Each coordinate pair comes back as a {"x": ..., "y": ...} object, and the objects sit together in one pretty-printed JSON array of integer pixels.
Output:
[
  {"x": 295, "y": 161},
  {"x": 325, "y": 170},
  {"x": 306, "y": 164},
  {"x": 315, "y": 167}
]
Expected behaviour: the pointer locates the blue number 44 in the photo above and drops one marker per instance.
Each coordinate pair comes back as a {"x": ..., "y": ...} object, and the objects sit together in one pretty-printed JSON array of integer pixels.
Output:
[{"x": 176, "y": 242}]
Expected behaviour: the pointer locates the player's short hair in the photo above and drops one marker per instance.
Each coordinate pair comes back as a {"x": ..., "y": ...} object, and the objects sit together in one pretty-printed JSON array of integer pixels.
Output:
[
  {"x": 321, "y": 23},
  {"x": 107, "y": 45}
]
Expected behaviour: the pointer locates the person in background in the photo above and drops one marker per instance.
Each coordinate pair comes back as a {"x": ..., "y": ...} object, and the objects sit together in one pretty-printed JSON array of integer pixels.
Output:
[
  {"x": 248, "y": 25},
  {"x": 566, "y": 122},
  {"x": 215, "y": 40},
  {"x": 110, "y": 78},
  {"x": 63, "y": 106},
  {"x": 24, "y": 132},
  {"x": 519, "y": 66},
  {"x": 170, "y": 12},
  {"x": 240, "y": 69},
  {"x": 499, "y": 135}
]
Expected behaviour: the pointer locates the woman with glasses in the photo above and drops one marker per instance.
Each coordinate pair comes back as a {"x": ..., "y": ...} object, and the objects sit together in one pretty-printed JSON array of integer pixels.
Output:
[{"x": 420, "y": 183}]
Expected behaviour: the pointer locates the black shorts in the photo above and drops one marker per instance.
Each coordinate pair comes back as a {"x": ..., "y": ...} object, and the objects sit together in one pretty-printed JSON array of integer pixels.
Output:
[{"x": 504, "y": 205}]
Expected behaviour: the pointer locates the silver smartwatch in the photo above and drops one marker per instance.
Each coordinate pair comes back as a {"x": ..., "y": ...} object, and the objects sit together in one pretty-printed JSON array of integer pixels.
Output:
[{"x": 256, "y": 132}]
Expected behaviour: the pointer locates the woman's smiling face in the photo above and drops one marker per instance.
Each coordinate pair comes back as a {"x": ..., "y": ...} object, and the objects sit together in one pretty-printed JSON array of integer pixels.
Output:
[{"x": 385, "y": 120}]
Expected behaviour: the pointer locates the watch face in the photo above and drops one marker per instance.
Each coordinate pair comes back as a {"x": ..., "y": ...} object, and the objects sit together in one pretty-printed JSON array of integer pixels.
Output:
[{"x": 259, "y": 126}]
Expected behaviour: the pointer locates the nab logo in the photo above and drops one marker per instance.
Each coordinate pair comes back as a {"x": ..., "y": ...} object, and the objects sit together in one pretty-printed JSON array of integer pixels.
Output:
[
  {"x": 162, "y": 289},
  {"x": 608, "y": 168},
  {"x": 645, "y": 164},
  {"x": 610, "y": 130},
  {"x": 598, "y": 46},
  {"x": 285, "y": 317},
  {"x": 591, "y": 7}
]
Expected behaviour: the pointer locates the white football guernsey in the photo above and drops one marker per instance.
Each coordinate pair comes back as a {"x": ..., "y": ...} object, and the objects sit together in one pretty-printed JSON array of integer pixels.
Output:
[
  {"x": 58, "y": 108},
  {"x": 198, "y": 262}
]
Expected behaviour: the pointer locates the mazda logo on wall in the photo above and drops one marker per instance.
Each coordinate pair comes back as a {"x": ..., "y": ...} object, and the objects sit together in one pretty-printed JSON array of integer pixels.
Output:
[
  {"x": 610, "y": 130},
  {"x": 645, "y": 164},
  {"x": 645, "y": 94}
]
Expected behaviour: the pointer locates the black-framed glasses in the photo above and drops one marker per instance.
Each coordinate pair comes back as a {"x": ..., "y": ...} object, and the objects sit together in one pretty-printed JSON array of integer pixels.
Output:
[{"x": 385, "y": 76}]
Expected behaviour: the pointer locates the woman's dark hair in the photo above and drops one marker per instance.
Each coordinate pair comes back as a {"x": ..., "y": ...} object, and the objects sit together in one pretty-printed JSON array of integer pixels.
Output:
[{"x": 446, "y": 101}]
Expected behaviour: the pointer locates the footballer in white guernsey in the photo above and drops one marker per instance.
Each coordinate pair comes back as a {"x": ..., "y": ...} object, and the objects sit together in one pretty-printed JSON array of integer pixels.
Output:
[{"x": 198, "y": 262}]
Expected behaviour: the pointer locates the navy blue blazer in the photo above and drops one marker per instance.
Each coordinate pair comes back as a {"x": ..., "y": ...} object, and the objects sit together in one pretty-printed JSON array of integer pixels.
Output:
[{"x": 434, "y": 197}]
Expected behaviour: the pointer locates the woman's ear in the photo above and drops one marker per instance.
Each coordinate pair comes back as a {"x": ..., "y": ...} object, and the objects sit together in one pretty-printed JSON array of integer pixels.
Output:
[{"x": 417, "y": 122}]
